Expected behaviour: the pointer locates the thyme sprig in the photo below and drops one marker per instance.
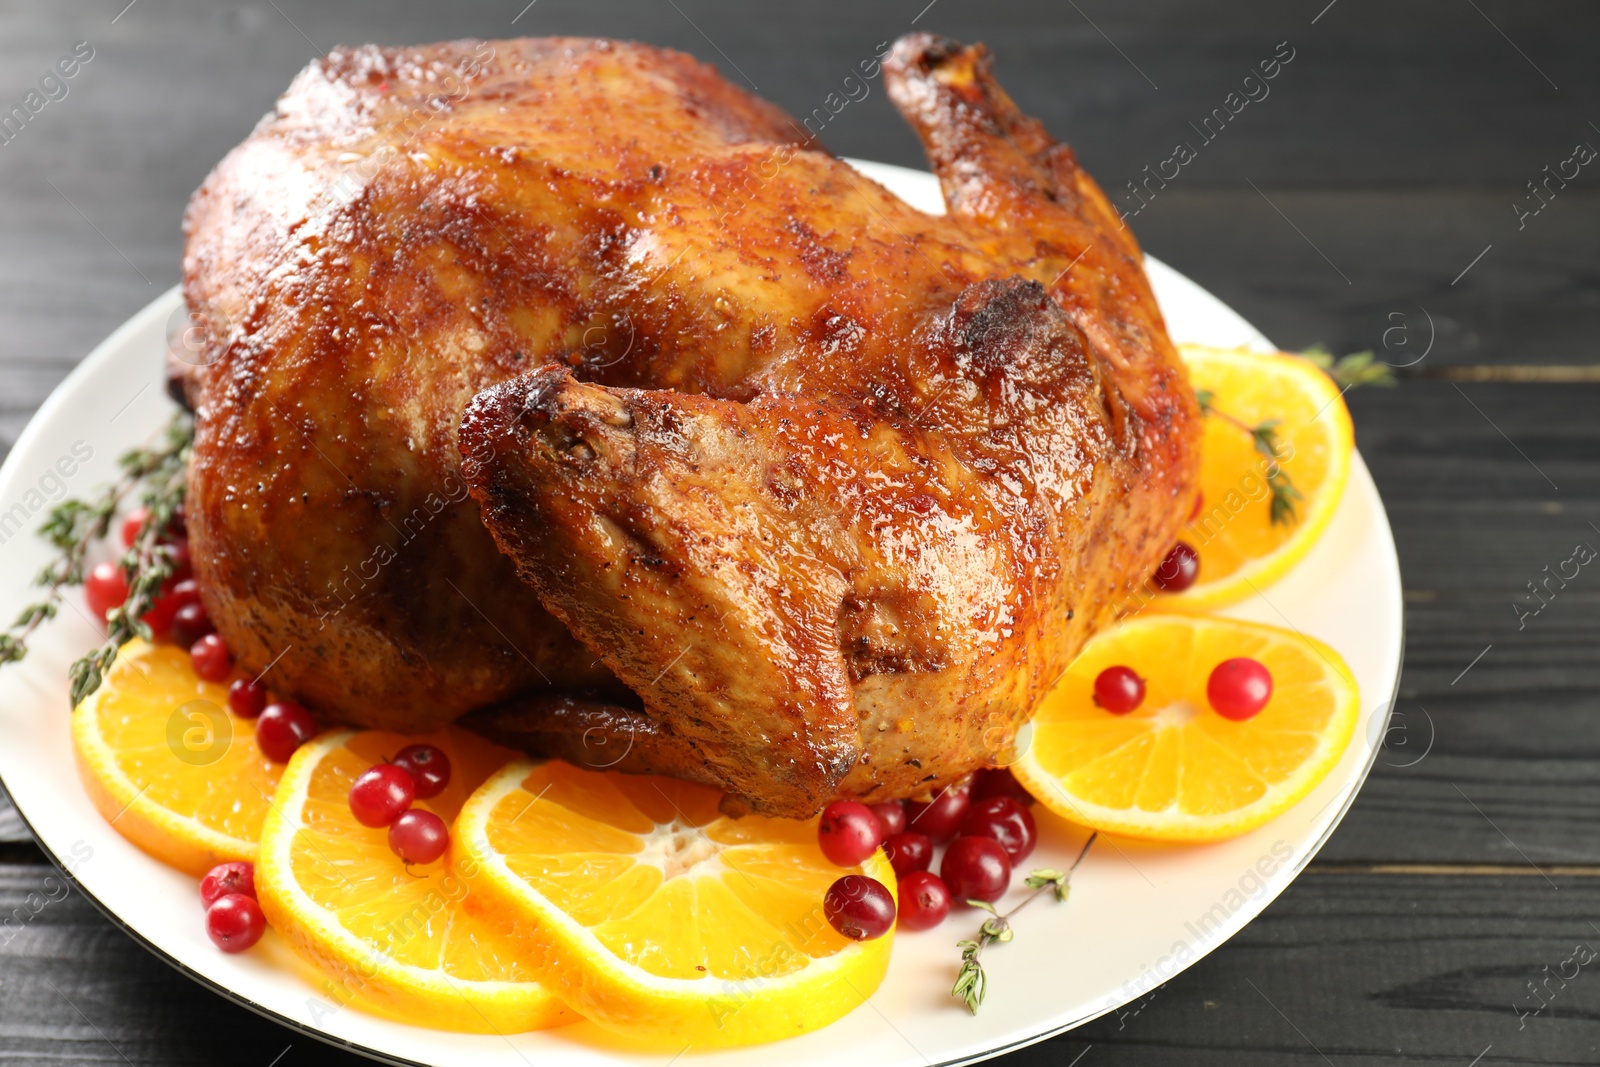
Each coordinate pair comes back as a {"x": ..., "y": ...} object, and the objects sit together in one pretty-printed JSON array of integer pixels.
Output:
[
  {"x": 1349, "y": 371},
  {"x": 73, "y": 526},
  {"x": 972, "y": 982},
  {"x": 1264, "y": 439}
]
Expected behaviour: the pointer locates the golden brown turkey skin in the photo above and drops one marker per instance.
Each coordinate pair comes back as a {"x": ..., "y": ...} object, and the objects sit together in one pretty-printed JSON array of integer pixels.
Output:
[
  {"x": 402, "y": 231},
  {"x": 855, "y": 567},
  {"x": 837, "y": 488},
  {"x": 820, "y": 598}
]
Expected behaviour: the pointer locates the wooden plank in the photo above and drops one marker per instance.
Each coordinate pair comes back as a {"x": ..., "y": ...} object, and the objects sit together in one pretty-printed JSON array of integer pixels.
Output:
[
  {"x": 1375, "y": 969},
  {"x": 97, "y": 183},
  {"x": 1377, "y": 95},
  {"x": 1529, "y": 299},
  {"x": 1493, "y": 756},
  {"x": 1381, "y": 969},
  {"x": 74, "y": 988}
]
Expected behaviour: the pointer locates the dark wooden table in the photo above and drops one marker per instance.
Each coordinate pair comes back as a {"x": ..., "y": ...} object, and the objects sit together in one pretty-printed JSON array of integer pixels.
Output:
[{"x": 1367, "y": 203}]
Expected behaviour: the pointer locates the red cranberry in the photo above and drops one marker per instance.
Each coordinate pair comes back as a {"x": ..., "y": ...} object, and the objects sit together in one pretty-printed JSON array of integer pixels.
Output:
[
  {"x": 174, "y": 595},
  {"x": 419, "y": 836},
  {"x": 976, "y": 868},
  {"x": 1239, "y": 688},
  {"x": 104, "y": 587},
  {"x": 891, "y": 816},
  {"x": 1179, "y": 570},
  {"x": 282, "y": 728},
  {"x": 182, "y": 564},
  {"x": 940, "y": 817},
  {"x": 182, "y": 592},
  {"x": 179, "y": 526},
  {"x": 1005, "y": 821},
  {"x": 225, "y": 878},
  {"x": 1118, "y": 690},
  {"x": 159, "y": 618},
  {"x": 133, "y": 524},
  {"x": 848, "y": 832},
  {"x": 247, "y": 698},
  {"x": 189, "y": 624},
  {"x": 210, "y": 658},
  {"x": 428, "y": 767},
  {"x": 999, "y": 782},
  {"x": 924, "y": 901},
  {"x": 235, "y": 923},
  {"x": 908, "y": 852},
  {"x": 381, "y": 794},
  {"x": 859, "y": 907}
]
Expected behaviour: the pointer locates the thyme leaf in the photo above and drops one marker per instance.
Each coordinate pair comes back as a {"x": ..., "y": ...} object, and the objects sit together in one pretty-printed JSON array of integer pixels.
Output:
[
  {"x": 1264, "y": 439},
  {"x": 972, "y": 982},
  {"x": 1349, "y": 371},
  {"x": 73, "y": 526}
]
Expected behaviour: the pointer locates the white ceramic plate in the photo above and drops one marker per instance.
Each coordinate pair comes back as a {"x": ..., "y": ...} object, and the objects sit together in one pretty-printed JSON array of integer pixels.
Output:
[{"x": 1137, "y": 916}]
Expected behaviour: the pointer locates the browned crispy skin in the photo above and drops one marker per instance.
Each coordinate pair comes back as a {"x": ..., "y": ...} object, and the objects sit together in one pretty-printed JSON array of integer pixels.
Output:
[
  {"x": 837, "y": 488},
  {"x": 855, "y": 567},
  {"x": 399, "y": 233}
]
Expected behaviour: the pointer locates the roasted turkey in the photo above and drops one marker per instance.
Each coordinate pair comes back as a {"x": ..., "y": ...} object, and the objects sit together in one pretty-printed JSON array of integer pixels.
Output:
[{"x": 564, "y": 383}]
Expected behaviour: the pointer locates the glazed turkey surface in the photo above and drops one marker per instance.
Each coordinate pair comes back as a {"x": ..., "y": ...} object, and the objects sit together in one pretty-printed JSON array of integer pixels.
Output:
[{"x": 776, "y": 483}]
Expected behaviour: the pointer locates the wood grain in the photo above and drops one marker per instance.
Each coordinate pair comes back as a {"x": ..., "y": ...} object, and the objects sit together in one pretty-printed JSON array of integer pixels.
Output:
[
  {"x": 1351, "y": 966},
  {"x": 1386, "y": 159}
]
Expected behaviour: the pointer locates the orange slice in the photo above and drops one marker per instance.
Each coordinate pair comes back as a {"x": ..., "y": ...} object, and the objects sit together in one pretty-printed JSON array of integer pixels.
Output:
[
  {"x": 1173, "y": 769},
  {"x": 661, "y": 918},
  {"x": 395, "y": 941},
  {"x": 168, "y": 765},
  {"x": 1241, "y": 548}
]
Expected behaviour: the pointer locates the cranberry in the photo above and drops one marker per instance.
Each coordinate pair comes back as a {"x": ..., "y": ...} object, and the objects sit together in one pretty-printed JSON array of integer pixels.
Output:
[
  {"x": 428, "y": 767},
  {"x": 976, "y": 868},
  {"x": 182, "y": 564},
  {"x": 381, "y": 794},
  {"x": 105, "y": 587},
  {"x": 999, "y": 782},
  {"x": 859, "y": 907},
  {"x": 179, "y": 526},
  {"x": 133, "y": 524},
  {"x": 848, "y": 832},
  {"x": 190, "y": 623},
  {"x": 909, "y": 851},
  {"x": 174, "y": 595},
  {"x": 419, "y": 836},
  {"x": 225, "y": 878},
  {"x": 234, "y": 922},
  {"x": 924, "y": 901},
  {"x": 210, "y": 658},
  {"x": 1179, "y": 570},
  {"x": 891, "y": 816},
  {"x": 247, "y": 698},
  {"x": 940, "y": 817},
  {"x": 282, "y": 728},
  {"x": 159, "y": 618},
  {"x": 1118, "y": 690},
  {"x": 1006, "y": 821},
  {"x": 1239, "y": 688},
  {"x": 182, "y": 592}
]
